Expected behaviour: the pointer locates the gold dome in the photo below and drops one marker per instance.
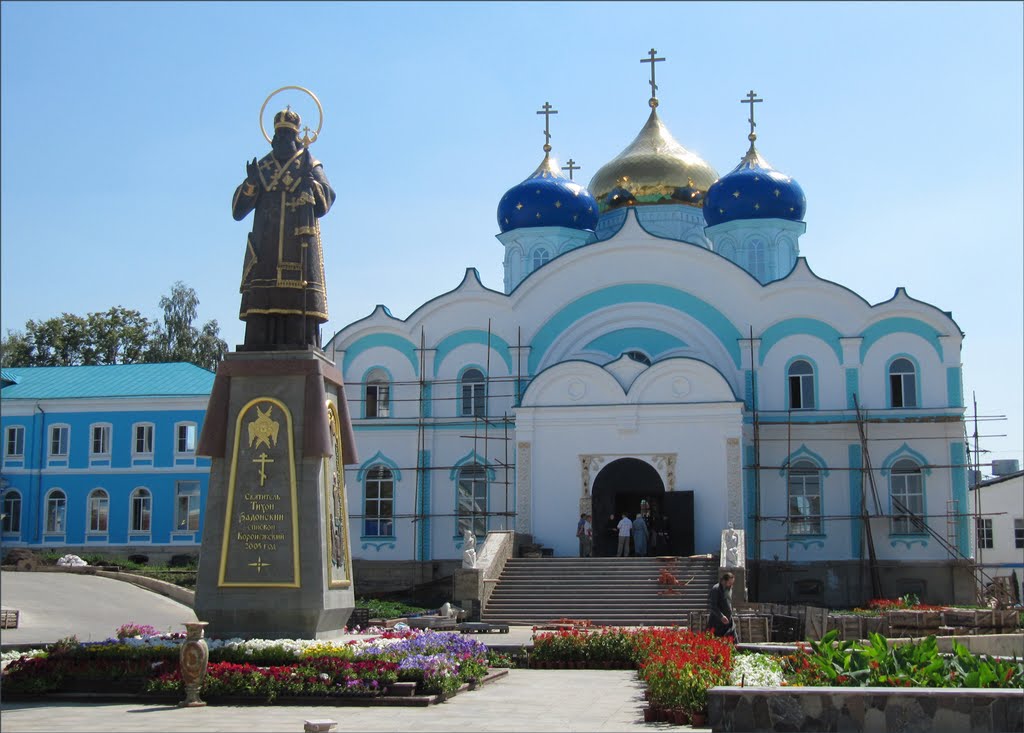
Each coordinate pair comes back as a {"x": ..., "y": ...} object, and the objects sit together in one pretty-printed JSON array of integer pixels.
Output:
[{"x": 653, "y": 169}]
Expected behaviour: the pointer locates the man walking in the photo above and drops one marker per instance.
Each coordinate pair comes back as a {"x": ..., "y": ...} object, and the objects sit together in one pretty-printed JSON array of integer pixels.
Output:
[
  {"x": 625, "y": 527},
  {"x": 720, "y": 616}
]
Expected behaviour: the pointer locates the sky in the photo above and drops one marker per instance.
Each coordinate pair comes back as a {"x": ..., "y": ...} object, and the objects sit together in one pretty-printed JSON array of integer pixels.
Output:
[{"x": 125, "y": 127}]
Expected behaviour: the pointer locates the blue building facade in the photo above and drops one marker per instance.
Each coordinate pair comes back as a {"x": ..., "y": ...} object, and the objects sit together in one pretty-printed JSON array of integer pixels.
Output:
[{"x": 104, "y": 457}]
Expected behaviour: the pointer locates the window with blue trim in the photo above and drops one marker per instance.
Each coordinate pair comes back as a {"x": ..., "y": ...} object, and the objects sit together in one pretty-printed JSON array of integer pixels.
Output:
[
  {"x": 801, "y": 385},
  {"x": 59, "y": 439},
  {"x": 540, "y": 257},
  {"x": 16, "y": 441},
  {"x": 56, "y": 512},
  {"x": 378, "y": 394},
  {"x": 472, "y": 510},
  {"x": 906, "y": 489},
  {"x": 12, "y": 511},
  {"x": 473, "y": 393},
  {"x": 902, "y": 383},
  {"x": 100, "y": 445},
  {"x": 99, "y": 511},
  {"x": 804, "y": 485},
  {"x": 379, "y": 509}
]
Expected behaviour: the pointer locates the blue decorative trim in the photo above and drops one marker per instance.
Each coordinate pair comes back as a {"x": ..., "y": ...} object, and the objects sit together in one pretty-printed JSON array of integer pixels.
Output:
[
  {"x": 706, "y": 314},
  {"x": 905, "y": 451},
  {"x": 748, "y": 501},
  {"x": 426, "y": 400},
  {"x": 423, "y": 506},
  {"x": 793, "y": 542},
  {"x": 954, "y": 387},
  {"x": 651, "y": 341},
  {"x": 856, "y": 494},
  {"x": 841, "y": 416},
  {"x": 749, "y": 382},
  {"x": 852, "y": 386},
  {"x": 801, "y": 327},
  {"x": 958, "y": 474},
  {"x": 388, "y": 340},
  {"x": 471, "y": 336},
  {"x": 814, "y": 382},
  {"x": 917, "y": 381},
  {"x": 907, "y": 541},
  {"x": 899, "y": 325},
  {"x": 378, "y": 458},
  {"x": 469, "y": 459},
  {"x": 363, "y": 384},
  {"x": 378, "y": 543},
  {"x": 804, "y": 452}
]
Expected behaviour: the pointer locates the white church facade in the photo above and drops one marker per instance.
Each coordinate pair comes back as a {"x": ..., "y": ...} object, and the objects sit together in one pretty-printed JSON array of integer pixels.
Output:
[{"x": 660, "y": 344}]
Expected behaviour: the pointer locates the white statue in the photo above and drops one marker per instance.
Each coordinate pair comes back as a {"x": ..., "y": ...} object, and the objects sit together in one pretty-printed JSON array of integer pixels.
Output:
[
  {"x": 468, "y": 550},
  {"x": 733, "y": 555}
]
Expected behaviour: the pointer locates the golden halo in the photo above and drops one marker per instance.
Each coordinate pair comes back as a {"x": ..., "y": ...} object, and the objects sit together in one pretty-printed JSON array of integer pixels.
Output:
[{"x": 319, "y": 107}]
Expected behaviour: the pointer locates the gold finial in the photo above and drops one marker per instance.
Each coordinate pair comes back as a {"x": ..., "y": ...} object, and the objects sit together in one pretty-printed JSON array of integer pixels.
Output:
[
  {"x": 654, "y": 87},
  {"x": 547, "y": 112},
  {"x": 751, "y": 100},
  {"x": 571, "y": 167}
]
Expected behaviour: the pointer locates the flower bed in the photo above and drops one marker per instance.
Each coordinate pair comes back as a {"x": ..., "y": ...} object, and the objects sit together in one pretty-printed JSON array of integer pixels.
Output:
[{"x": 435, "y": 663}]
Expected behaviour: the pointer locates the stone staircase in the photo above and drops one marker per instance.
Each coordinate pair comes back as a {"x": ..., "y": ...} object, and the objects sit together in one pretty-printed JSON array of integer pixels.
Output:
[{"x": 622, "y": 591}]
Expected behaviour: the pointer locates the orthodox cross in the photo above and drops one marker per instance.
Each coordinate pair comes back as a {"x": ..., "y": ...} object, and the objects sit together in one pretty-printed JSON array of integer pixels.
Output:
[
  {"x": 259, "y": 565},
  {"x": 654, "y": 87},
  {"x": 263, "y": 461},
  {"x": 547, "y": 112},
  {"x": 751, "y": 100},
  {"x": 571, "y": 167}
]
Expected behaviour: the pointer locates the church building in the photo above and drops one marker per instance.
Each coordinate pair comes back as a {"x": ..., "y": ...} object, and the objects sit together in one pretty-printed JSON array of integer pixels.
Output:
[{"x": 662, "y": 345}]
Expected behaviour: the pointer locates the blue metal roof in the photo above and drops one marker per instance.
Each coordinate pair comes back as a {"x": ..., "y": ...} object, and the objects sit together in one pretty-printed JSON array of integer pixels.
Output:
[{"x": 116, "y": 380}]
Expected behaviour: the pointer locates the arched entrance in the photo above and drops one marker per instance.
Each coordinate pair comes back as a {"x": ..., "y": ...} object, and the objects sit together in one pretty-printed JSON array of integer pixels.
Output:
[{"x": 623, "y": 486}]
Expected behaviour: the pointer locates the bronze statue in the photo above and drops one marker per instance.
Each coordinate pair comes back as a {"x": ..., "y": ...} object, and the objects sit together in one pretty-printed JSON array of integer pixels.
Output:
[{"x": 284, "y": 294}]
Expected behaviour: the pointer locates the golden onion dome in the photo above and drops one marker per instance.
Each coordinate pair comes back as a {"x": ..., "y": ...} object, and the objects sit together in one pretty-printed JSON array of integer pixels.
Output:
[{"x": 653, "y": 169}]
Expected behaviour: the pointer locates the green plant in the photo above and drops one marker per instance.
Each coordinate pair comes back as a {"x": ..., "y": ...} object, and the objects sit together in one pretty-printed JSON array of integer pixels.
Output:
[{"x": 388, "y": 609}]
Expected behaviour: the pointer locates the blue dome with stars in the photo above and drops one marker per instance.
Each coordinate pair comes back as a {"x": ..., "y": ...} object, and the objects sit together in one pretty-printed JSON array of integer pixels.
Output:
[
  {"x": 754, "y": 190},
  {"x": 547, "y": 199}
]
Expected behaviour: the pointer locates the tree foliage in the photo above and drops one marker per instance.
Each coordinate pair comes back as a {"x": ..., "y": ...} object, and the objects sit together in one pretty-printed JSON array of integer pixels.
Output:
[{"x": 118, "y": 336}]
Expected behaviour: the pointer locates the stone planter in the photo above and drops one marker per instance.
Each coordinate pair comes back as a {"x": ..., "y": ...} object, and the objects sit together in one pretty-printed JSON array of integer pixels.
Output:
[{"x": 194, "y": 657}]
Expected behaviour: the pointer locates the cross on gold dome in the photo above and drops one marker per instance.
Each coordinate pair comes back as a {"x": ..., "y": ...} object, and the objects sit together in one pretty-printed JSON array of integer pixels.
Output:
[
  {"x": 751, "y": 100},
  {"x": 571, "y": 167},
  {"x": 547, "y": 111},
  {"x": 654, "y": 87}
]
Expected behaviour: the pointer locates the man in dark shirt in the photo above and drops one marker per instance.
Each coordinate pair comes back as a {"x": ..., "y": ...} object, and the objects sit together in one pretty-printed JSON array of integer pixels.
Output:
[{"x": 720, "y": 618}]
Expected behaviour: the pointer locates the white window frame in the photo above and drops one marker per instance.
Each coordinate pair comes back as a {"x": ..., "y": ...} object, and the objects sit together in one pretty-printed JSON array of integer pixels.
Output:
[
  {"x": 182, "y": 434},
  {"x": 10, "y": 507},
  {"x": 805, "y": 384},
  {"x": 104, "y": 434},
  {"x": 144, "y": 497},
  {"x": 803, "y": 490},
  {"x": 541, "y": 256},
  {"x": 471, "y": 494},
  {"x": 65, "y": 430},
  {"x": 14, "y": 434},
  {"x": 190, "y": 491},
  {"x": 97, "y": 512},
  {"x": 907, "y": 486},
  {"x": 903, "y": 377},
  {"x": 473, "y": 395},
  {"x": 984, "y": 535},
  {"x": 53, "y": 501},
  {"x": 149, "y": 433},
  {"x": 378, "y": 395},
  {"x": 378, "y": 479}
]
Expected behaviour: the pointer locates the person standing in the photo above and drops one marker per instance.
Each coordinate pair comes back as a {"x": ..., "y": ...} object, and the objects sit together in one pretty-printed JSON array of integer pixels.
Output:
[
  {"x": 588, "y": 537},
  {"x": 640, "y": 536},
  {"x": 720, "y": 615},
  {"x": 625, "y": 527},
  {"x": 580, "y": 534},
  {"x": 611, "y": 535}
]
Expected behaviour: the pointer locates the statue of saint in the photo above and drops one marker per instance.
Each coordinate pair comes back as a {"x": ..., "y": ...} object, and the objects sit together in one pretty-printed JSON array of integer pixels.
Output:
[
  {"x": 284, "y": 294},
  {"x": 468, "y": 550},
  {"x": 732, "y": 555}
]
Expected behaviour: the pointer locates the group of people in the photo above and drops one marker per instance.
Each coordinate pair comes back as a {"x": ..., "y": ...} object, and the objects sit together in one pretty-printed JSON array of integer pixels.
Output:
[{"x": 637, "y": 536}]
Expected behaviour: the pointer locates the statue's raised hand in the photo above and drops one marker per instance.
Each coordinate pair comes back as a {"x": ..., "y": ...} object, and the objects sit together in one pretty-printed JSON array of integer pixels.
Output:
[{"x": 252, "y": 172}]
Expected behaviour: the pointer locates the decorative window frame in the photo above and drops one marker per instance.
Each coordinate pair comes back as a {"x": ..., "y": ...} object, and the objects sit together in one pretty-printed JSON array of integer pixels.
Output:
[
  {"x": 921, "y": 472},
  {"x": 58, "y": 459},
  {"x": 460, "y": 399},
  {"x": 365, "y": 383},
  {"x": 469, "y": 460},
  {"x": 143, "y": 458},
  {"x": 378, "y": 459},
  {"x": 185, "y": 457},
  {"x": 539, "y": 256},
  {"x": 91, "y": 533},
  {"x": 814, "y": 383},
  {"x": 178, "y": 533},
  {"x": 15, "y": 494},
  {"x": 101, "y": 458},
  {"x": 14, "y": 457},
  {"x": 818, "y": 467},
  {"x": 139, "y": 535},
  {"x": 917, "y": 382},
  {"x": 54, "y": 534}
]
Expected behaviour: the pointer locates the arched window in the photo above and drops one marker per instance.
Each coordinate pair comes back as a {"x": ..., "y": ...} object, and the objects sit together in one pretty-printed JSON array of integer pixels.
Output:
[
  {"x": 378, "y": 394},
  {"x": 902, "y": 383},
  {"x": 473, "y": 393},
  {"x": 472, "y": 508},
  {"x": 56, "y": 512},
  {"x": 801, "y": 385},
  {"x": 906, "y": 489},
  {"x": 379, "y": 512},
  {"x": 98, "y": 510},
  {"x": 12, "y": 511},
  {"x": 540, "y": 257},
  {"x": 756, "y": 259},
  {"x": 804, "y": 498},
  {"x": 141, "y": 510},
  {"x": 639, "y": 357}
]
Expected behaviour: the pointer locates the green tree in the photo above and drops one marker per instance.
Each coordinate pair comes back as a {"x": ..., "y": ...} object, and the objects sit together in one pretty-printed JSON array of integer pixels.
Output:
[
  {"x": 119, "y": 336},
  {"x": 176, "y": 339},
  {"x": 16, "y": 350}
]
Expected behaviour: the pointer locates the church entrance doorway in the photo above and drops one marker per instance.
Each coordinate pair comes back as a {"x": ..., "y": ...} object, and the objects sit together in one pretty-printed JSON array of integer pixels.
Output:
[{"x": 630, "y": 486}]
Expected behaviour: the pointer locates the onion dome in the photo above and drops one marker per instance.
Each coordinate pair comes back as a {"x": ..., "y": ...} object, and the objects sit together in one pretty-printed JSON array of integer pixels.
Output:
[
  {"x": 547, "y": 199},
  {"x": 653, "y": 169}
]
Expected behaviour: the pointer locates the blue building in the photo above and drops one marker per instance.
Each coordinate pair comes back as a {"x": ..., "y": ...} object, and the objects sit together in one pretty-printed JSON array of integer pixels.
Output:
[{"x": 104, "y": 457}]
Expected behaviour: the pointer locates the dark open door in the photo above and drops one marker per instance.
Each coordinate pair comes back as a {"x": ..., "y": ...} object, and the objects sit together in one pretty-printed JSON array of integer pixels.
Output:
[{"x": 679, "y": 515}]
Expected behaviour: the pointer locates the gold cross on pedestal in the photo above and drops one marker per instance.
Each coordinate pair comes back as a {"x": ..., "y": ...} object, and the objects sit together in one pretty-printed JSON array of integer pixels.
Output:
[
  {"x": 654, "y": 87},
  {"x": 751, "y": 100},
  {"x": 547, "y": 112},
  {"x": 259, "y": 564},
  {"x": 263, "y": 461},
  {"x": 571, "y": 167}
]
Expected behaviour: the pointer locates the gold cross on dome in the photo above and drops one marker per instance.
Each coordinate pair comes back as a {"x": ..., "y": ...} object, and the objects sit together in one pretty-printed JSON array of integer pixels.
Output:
[
  {"x": 547, "y": 111},
  {"x": 654, "y": 87},
  {"x": 751, "y": 100},
  {"x": 571, "y": 167}
]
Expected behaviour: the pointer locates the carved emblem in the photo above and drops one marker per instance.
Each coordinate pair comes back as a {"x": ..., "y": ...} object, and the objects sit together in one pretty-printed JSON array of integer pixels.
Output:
[{"x": 263, "y": 429}]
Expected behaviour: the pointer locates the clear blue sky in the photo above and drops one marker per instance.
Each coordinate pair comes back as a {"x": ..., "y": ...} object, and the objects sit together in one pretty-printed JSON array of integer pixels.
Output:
[{"x": 126, "y": 126}]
